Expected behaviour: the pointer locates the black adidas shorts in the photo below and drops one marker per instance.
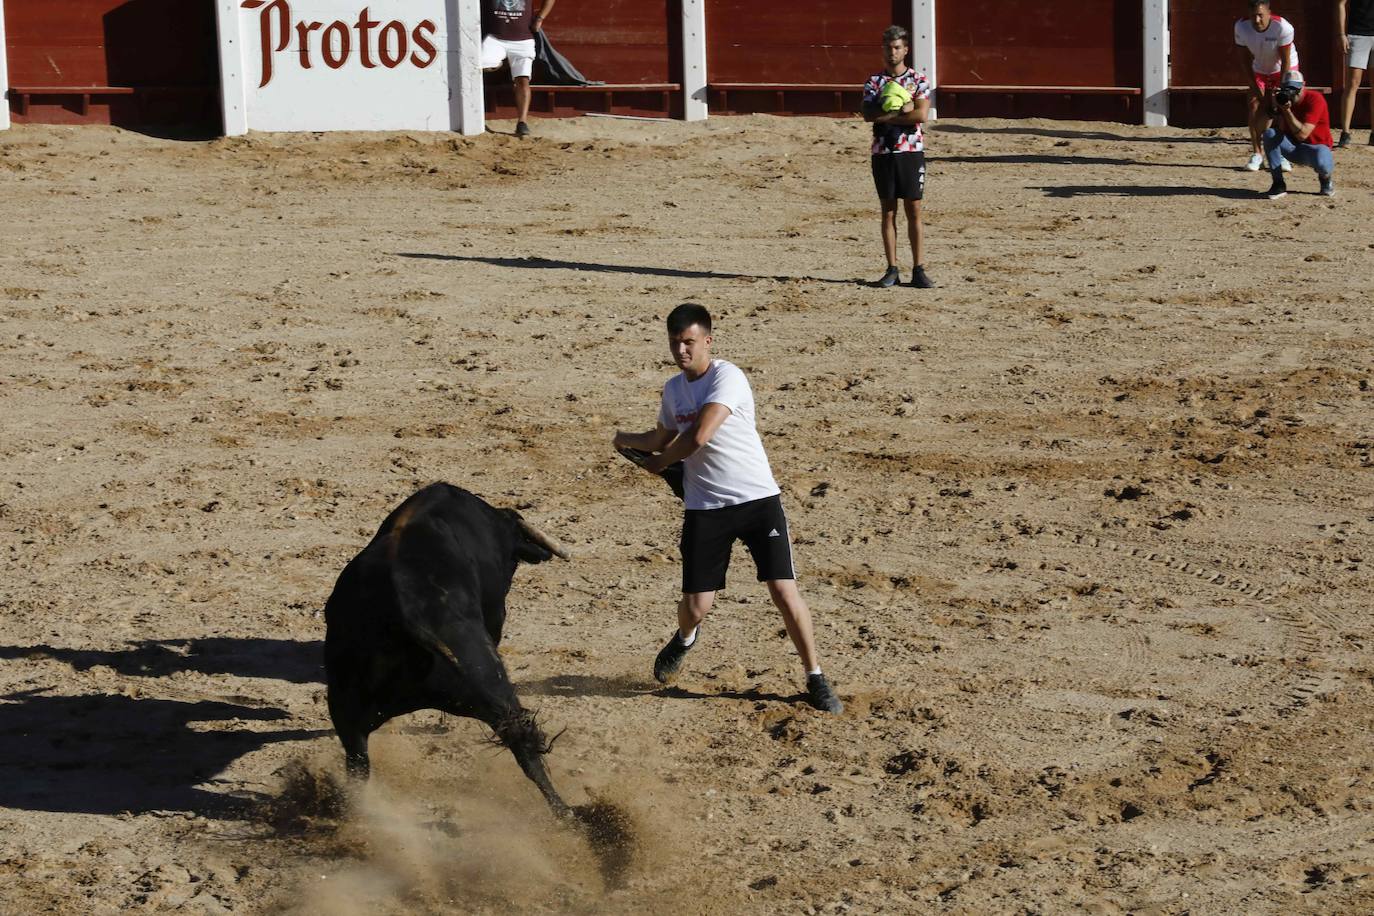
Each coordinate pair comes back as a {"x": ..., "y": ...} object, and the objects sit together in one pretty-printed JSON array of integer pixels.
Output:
[
  {"x": 709, "y": 534},
  {"x": 900, "y": 176}
]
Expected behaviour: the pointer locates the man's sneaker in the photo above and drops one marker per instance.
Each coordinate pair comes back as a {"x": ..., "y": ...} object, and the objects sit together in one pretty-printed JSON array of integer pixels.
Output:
[
  {"x": 920, "y": 280},
  {"x": 1328, "y": 186},
  {"x": 670, "y": 658},
  {"x": 1285, "y": 165},
  {"x": 891, "y": 278},
  {"x": 522, "y": 129},
  {"x": 819, "y": 694},
  {"x": 1255, "y": 164},
  {"x": 1371, "y": 138},
  {"x": 1344, "y": 141},
  {"x": 1277, "y": 189}
]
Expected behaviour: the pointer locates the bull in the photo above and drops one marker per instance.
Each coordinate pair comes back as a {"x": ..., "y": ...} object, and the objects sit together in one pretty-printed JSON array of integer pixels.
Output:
[{"x": 415, "y": 618}]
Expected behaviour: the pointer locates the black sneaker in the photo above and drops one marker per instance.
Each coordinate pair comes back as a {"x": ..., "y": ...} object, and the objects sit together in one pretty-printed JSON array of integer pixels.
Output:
[
  {"x": 920, "y": 280},
  {"x": 1328, "y": 188},
  {"x": 522, "y": 129},
  {"x": 819, "y": 694},
  {"x": 891, "y": 278},
  {"x": 1344, "y": 141},
  {"x": 1277, "y": 189},
  {"x": 670, "y": 658}
]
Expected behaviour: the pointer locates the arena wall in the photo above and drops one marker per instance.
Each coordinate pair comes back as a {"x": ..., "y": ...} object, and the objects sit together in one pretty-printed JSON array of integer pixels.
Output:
[{"x": 148, "y": 62}]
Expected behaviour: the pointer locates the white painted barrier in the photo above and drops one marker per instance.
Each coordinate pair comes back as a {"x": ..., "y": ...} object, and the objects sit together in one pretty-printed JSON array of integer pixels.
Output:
[
  {"x": 923, "y": 48},
  {"x": 4, "y": 75},
  {"x": 320, "y": 65}
]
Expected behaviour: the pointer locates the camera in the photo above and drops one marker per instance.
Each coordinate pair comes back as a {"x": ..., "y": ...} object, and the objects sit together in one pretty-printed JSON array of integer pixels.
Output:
[{"x": 1285, "y": 95}]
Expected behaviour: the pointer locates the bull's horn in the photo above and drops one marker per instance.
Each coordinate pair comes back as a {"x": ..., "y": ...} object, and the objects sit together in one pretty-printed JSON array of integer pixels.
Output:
[{"x": 543, "y": 540}]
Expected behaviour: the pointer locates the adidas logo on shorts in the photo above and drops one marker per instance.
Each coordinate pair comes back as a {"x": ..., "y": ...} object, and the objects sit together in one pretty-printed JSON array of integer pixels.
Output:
[{"x": 774, "y": 533}]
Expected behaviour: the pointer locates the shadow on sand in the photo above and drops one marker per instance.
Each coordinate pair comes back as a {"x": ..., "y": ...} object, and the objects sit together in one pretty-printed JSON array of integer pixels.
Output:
[
  {"x": 1134, "y": 190},
  {"x": 555, "y": 264},
  {"x": 102, "y": 753},
  {"x": 580, "y": 685}
]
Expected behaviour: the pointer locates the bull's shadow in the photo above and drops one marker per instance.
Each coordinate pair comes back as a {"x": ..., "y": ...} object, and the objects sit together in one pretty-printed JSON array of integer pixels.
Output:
[
  {"x": 537, "y": 263},
  {"x": 107, "y": 754},
  {"x": 279, "y": 659},
  {"x": 581, "y": 685}
]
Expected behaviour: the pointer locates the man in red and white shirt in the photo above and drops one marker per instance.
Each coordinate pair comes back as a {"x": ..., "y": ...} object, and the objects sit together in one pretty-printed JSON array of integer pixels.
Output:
[
  {"x": 1267, "y": 52},
  {"x": 898, "y": 153}
]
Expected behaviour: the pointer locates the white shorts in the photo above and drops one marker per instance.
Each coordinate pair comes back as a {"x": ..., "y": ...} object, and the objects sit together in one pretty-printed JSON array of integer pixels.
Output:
[
  {"x": 519, "y": 53},
  {"x": 1360, "y": 48}
]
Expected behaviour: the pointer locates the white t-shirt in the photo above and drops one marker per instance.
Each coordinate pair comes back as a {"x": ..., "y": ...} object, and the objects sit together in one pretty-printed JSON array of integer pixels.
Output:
[
  {"x": 732, "y": 468},
  {"x": 1264, "y": 46}
]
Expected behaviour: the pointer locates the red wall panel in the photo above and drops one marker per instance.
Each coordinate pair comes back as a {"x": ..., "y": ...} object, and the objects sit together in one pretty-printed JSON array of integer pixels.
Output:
[
  {"x": 112, "y": 43},
  {"x": 800, "y": 42},
  {"x": 1050, "y": 43},
  {"x": 618, "y": 41},
  {"x": 1202, "y": 40}
]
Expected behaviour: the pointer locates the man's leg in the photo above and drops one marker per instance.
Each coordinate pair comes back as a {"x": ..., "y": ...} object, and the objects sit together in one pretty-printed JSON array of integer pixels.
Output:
[
  {"x": 890, "y": 231},
  {"x": 691, "y": 611},
  {"x": 913, "y": 231},
  {"x": 522, "y": 98},
  {"x": 796, "y": 617},
  {"x": 1276, "y": 146},
  {"x": 1257, "y": 117},
  {"x": 1353, "y": 78}
]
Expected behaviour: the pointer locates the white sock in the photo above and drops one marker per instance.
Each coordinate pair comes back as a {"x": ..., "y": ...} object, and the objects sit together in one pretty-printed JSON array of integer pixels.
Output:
[
  {"x": 688, "y": 640},
  {"x": 816, "y": 671}
]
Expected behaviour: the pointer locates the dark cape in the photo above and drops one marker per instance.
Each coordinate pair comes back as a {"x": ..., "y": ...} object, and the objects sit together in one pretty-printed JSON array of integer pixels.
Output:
[{"x": 558, "y": 70}]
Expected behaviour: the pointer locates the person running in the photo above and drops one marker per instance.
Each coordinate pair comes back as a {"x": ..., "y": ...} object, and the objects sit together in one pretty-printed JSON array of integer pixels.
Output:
[
  {"x": 1267, "y": 52},
  {"x": 510, "y": 26},
  {"x": 1355, "y": 25},
  {"x": 898, "y": 151},
  {"x": 706, "y": 421}
]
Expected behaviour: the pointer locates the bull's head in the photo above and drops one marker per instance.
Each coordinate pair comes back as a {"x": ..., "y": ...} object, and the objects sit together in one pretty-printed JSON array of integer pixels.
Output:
[{"x": 531, "y": 544}]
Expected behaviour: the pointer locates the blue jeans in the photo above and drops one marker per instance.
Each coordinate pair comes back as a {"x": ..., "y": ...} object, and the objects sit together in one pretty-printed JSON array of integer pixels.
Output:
[{"x": 1278, "y": 147}]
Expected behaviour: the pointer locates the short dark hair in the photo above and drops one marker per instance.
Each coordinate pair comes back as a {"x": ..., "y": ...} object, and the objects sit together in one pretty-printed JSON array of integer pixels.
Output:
[
  {"x": 686, "y": 315},
  {"x": 896, "y": 33},
  {"x": 1256, "y": 4}
]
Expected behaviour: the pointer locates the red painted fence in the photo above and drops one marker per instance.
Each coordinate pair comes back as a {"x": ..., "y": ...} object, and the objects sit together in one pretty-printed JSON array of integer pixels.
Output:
[
  {"x": 155, "y": 61},
  {"x": 113, "y": 61}
]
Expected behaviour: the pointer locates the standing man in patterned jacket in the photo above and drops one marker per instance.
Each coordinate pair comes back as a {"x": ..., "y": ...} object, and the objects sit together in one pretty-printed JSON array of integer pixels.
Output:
[{"x": 898, "y": 152}]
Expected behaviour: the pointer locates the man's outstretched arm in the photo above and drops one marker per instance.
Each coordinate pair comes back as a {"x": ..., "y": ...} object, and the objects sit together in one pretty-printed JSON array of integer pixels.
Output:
[
  {"x": 687, "y": 442},
  {"x": 655, "y": 440}
]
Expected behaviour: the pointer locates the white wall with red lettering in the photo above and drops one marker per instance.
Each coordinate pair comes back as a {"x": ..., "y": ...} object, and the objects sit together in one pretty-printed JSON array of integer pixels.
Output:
[{"x": 316, "y": 65}]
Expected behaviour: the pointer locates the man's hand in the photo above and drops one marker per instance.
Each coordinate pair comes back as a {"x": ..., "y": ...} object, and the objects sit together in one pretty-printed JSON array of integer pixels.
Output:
[
  {"x": 1345, "y": 44},
  {"x": 538, "y": 24}
]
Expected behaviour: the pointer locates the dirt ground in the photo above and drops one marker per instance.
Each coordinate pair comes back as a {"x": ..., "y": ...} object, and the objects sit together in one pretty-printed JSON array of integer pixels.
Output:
[{"x": 1086, "y": 530}]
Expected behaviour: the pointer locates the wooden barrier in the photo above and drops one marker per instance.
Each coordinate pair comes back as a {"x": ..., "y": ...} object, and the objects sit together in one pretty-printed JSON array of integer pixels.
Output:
[{"x": 128, "y": 62}]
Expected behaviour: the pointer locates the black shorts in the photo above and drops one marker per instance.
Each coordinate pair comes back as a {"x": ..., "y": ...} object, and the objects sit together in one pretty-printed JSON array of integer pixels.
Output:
[
  {"x": 900, "y": 176},
  {"x": 709, "y": 534}
]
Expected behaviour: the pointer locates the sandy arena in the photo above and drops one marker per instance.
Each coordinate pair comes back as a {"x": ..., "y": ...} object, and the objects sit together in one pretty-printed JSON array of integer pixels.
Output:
[{"x": 1087, "y": 530}]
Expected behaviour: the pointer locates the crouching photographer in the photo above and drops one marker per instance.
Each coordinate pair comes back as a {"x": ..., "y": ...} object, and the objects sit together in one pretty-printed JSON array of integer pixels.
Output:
[{"x": 1301, "y": 134}]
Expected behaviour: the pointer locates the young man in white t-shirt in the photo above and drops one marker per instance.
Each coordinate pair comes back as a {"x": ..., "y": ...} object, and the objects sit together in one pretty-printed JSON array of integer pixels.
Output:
[
  {"x": 706, "y": 421},
  {"x": 1266, "y": 50}
]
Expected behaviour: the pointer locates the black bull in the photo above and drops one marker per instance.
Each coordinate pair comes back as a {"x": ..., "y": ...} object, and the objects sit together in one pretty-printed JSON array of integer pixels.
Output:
[{"x": 415, "y": 618}]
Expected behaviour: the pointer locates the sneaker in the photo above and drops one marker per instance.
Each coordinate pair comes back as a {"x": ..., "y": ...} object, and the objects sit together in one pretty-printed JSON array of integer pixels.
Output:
[
  {"x": 670, "y": 658},
  {"x": 1328, "y": 186},
  {"x": 921, "y": 280},
  {"x": 819, "y": 694},
  {"x": 891, "y": 278},
  {"x": 522, "y": 129},
  {"x": 1255, "y": 164},
  {"x": 1285, "y": 165},
  {"x": 1277, "y": 189},
  {"x": 1344, "y": 141}
]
